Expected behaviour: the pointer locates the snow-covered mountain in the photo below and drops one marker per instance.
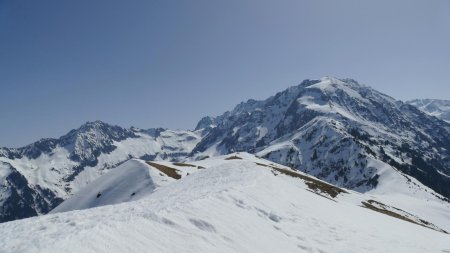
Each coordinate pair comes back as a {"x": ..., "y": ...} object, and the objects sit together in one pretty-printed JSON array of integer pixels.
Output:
[
  {"x": 338, "y": 130},
  {"x": 36, "y": 178},
  {"x": 435, "y": 107},
  {"x": 235, "y": 203},
  {"x": 341, "y": 131}
]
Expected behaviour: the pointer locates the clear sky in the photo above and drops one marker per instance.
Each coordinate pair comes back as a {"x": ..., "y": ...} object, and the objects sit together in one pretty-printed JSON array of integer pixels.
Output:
[{"x": 163, "y": 63}]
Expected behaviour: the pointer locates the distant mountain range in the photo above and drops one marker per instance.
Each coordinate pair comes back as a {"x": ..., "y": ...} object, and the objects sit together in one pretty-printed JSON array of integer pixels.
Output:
[
  {"x": 435, "y": 107},
  {"x": 338, "y": 130}
]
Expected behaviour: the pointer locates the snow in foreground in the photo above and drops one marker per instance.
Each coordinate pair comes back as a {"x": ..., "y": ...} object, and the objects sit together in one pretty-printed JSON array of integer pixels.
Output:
[{"x": 230, "y": 206}]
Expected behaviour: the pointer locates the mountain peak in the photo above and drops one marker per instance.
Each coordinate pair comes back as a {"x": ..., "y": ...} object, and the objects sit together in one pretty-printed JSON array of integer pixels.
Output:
[
  {"x": 330, "y": 79},
  {"x": 321, "y": 94},
  {"x": 96, "y": 128},
  {"x": 205, "y": 122},
  {"x": 339, "y": 82},
  {"x": 98, "y": 124},
  {"x": 82, "y": 142}
]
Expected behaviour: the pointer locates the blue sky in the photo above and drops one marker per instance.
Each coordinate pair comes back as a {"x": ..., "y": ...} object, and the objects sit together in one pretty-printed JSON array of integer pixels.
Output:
[{"x": 166, "y": 63}]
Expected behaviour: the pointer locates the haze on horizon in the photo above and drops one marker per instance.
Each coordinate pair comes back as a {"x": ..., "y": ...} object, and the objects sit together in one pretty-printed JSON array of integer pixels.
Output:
[{"x": 169, "y": 63}]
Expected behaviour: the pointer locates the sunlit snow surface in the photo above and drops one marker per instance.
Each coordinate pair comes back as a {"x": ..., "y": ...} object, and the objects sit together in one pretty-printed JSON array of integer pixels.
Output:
[
  {"x": 129, "y": 181},
  {"x": 230, "y": 206}
]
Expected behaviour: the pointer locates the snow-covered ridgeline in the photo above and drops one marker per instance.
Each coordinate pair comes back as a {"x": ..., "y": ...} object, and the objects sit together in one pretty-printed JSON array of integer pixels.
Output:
[{"x": 234, "y": 205}]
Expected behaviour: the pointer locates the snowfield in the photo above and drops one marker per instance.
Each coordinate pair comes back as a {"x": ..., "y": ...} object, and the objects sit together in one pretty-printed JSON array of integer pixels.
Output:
[{"x": 233, "y": 203}]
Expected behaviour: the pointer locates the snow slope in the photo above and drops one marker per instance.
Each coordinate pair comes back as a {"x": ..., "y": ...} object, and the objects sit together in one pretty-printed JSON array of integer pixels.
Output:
[
  {"x": 129, "y": 181},
  {"x": 237, "y": 205}
]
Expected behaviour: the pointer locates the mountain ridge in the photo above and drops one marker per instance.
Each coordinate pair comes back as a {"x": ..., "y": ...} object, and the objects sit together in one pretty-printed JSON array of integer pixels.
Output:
[
  {"x": 439, "y": 108},
  {"x": 372, "y": 115},
  {"x": 232, "y": 203},
  {"x": 335, "y": 129}
]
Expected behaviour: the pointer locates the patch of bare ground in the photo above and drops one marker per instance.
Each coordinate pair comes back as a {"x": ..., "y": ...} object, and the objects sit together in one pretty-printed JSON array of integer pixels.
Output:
[
  {"x": 235, "y": 157},
  {"x": 171, "y": 172},
  {"x": 382, "y": 208},
  {"x": 313, "y": 184},
  {"x": 189, "y": 165},
  {"x": 184, "y": 165}
]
